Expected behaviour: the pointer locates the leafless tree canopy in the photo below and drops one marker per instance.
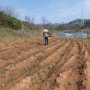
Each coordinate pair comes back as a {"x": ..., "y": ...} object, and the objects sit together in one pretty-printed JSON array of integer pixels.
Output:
[
  {"x": 29, "y": 20},
  {"x": 44, "y": 20},
  {"x": 0, "y": 7},
  {"x": 11, "y": 11}
]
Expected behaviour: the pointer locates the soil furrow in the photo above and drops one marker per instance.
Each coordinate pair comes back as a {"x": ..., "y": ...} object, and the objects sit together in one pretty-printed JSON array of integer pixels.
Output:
[
  {"x": 47, "y": 63},
  {"x": 32, "y": 60},
  {"x": 24, "y": 55},
  {"x": 62, "y": 65}
]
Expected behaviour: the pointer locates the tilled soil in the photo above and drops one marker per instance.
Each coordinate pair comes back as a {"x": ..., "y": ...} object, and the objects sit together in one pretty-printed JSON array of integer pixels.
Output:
[{"x": 64, "y": 64}]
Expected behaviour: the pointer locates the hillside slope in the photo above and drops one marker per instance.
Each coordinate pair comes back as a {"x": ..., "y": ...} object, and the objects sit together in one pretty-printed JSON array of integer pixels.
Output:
[
  {"x": 13, "y": 29},
  {"x": 9, "y": 35}
]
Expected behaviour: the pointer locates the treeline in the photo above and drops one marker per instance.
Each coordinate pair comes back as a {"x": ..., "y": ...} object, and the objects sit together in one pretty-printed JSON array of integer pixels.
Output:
[
  {"x": 73, "y": 25},
  {"x": 14, "y": 23},
  {"x": 9, "y": 18}
]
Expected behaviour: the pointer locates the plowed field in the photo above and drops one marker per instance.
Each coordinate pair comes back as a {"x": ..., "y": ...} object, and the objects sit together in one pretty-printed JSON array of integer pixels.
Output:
[{"x": 64, "y": 64}]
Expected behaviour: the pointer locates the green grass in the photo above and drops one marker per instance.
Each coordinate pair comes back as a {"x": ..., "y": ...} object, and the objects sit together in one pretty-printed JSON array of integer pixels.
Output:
[
  {"x": 3, "y": 71},
  {"x": 40, "y": 58},
  {"x": 9, "y": 35},
  {"x": 87, "y": 40}
]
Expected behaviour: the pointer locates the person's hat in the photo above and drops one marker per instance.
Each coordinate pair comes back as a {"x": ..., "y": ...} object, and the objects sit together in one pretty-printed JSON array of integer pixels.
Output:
[{"x": 45, "y": 30}]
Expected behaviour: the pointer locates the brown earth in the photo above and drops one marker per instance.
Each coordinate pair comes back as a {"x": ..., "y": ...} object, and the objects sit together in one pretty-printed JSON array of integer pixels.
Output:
[{"x": 62, "y": 65}]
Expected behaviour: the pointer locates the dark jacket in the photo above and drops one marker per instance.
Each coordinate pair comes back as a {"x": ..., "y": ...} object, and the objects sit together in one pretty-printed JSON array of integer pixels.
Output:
[{"x": 46, "y": 34}]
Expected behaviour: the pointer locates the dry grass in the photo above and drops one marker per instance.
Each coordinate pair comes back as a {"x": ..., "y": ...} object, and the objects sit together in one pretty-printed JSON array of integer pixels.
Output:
[{"x": 8, "y": 35}]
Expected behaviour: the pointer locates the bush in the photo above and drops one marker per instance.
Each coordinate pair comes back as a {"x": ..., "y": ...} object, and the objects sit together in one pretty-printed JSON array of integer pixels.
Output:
[
  {"x": 9, "y": 21},
  {"x": 14, "y": 23}
]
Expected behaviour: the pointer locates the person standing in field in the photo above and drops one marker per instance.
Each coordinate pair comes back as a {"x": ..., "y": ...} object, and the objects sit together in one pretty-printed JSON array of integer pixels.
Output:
[{"x": 46, "y": 34}]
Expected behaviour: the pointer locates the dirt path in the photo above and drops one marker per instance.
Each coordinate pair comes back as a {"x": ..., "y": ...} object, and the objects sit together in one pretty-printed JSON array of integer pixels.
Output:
[{"x": 62, "y": 65}]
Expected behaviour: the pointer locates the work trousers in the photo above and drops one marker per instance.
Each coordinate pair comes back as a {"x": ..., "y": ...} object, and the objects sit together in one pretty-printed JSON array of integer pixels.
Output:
[{"x": 46, "y": 40}]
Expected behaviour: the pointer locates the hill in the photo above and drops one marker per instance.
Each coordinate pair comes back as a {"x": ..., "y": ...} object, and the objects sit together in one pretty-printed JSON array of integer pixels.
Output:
[
  {"x": 14, "y": 23},
  {"x": 12, "y": 28},
  {"x": 72, "y": 25},
  {"x": 78, "y": 23}
]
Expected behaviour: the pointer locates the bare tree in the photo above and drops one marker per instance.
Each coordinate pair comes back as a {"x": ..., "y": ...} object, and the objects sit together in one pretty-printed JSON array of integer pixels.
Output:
[
  {"x": 44, "y": 21},
  {"x": 0, "y": 7},
  {"x": 33, "y": 20},
  {"x": 11, "y": 11},
  {"x": 29, "y": 20}
]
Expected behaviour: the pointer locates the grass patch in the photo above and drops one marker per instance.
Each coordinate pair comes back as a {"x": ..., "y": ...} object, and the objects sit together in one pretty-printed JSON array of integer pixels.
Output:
[
  {"x": 87, "y": 41},
  {"x": 49, "y": 67},
  {"x": 3, "y": 71},
  {"x": 36, "y": 82},
  {"x": 9, "y": 35},
  {"x": 38, "y": 65},
  {"x": 40, "y": 58}
]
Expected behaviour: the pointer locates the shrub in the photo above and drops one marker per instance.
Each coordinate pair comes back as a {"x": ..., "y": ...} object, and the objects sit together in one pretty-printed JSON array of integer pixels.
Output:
[
  {"x": 14, "y": 23},
  {"x": 8, "y": 21}
]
